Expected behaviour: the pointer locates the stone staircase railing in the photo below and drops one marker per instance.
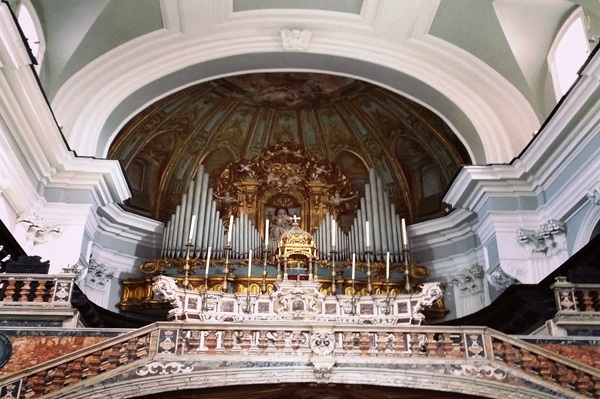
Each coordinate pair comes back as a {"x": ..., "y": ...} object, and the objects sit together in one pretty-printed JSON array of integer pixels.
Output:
[
  {"x": 36, "y": 289},
  {"x": 321, "y": 352}
]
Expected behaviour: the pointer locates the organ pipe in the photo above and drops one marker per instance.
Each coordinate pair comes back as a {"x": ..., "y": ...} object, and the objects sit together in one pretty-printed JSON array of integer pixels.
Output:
[
  {"x": 384, "y": 228},
  {"x": 209, "y": 229}
]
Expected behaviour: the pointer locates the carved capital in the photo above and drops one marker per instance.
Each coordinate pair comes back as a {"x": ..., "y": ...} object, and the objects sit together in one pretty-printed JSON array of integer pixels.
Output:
[
  {"x": 38, "y": 231},
  {"x": 469, "y": 281},
  {"x": 549, "y": 240}
]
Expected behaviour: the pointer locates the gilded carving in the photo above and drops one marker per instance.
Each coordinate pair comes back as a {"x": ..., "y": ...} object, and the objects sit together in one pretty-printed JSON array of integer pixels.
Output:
[{"x": 281, "y": 181}]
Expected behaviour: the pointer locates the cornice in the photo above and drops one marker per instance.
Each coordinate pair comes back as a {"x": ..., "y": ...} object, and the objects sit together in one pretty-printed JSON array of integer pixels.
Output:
[{"x": 489, "y": 104}]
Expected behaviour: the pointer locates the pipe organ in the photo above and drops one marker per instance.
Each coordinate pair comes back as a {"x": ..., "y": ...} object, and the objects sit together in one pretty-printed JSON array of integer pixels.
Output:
[
  {"x": 287, "y": 236},
  {"x": 252, "y": 204},
  {"x": 375, "y": 231}
]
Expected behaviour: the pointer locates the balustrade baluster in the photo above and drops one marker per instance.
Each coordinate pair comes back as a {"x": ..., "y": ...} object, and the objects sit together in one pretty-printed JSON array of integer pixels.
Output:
[
  {"x": 364, "y": 344},
  {"x": 57, "y": 378},
  {"x": 211, "y": 341},
  {"x": 263, "y": 342},
  {"x": 588, "y": 302},
  {"x": 432, "y": 345},
  {"x": 40, "y": 291},
  {"x": 74, "y": 372},
  {"x": 25, "y": 291},
  {"x": 595, "y": 300},
  {"x": 93, "y": 363},
  {"x": 10, "y": 290},
  {"x": 114, "y": 357},
  {"x": 348, "y": 342},
  {"x": 228, "y": 341},
  {"x": 36, "y": 384},
  {"x": 381, "y": 343},
  {"x": 400, "y": 343},
  {"x": 246, "y": 342}
]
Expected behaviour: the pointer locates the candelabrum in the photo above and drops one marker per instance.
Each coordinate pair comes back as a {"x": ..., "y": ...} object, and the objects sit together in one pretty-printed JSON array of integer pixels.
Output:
[
  {"x": 333, "y": 288},
  {"x": 247, "y": 308},
  {"x": 353, "y": 300},
  {"x": 226, "y": 268},
  {"x": 368, "y": 256},
  {"x": 406, "y": 254},
  {"x": 186, "y": 266},
  {"x": 263, "y": 287}
]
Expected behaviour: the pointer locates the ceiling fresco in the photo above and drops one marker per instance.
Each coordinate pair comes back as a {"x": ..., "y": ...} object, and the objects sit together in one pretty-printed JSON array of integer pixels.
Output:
[{"x": 349, "y": 123}]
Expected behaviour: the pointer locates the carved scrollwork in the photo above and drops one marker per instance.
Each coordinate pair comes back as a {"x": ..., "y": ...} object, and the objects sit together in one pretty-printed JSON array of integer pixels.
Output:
[
  {"x": 478, "y": 371},
  {"x": 322, "y": 343},
  {"x": 163, "y": 368}
]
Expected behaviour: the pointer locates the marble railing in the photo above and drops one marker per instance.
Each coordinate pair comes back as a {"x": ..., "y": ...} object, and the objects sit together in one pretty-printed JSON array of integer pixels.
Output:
[
  {"x": 169, "y": 355},
  {"x": 295, "y": 300},
  {"x": 36, "y": 289},
  {"x": 576, "y": 297}
]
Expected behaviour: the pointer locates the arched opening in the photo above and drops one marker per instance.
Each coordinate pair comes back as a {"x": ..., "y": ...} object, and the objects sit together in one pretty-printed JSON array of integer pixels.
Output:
[{"x": 568, "y": 53}]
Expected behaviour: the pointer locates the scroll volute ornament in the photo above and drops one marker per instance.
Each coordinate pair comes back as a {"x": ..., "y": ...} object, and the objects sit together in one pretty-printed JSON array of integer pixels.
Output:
[{"x": 285, "y": 168}]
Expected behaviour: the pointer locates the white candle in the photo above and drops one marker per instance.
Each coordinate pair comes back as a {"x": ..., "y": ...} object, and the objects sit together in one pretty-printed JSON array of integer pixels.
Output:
[
  {"x": 192, "y": 228},
  {"x": 249, "y": 263},
  {"x": 387, "y": 266},
  {"x": 367, "y": 235},
  {"x": 353, "y": 266},
  {"x": 207, "y": 262},
  {"x": 230, "y": 231},
  {"x": 404, "y": 235},
  {"x": 267, "y": 233},
  {"x": 333, "y": 233}
]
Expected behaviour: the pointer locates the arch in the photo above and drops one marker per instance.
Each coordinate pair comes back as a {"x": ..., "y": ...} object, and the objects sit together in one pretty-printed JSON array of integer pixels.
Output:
[
  {"x": 417, "y": 375},
  {"x": 32, "y": 29},
  {"x": 568, "y": 53},
  {"x": 490, "y": 132}
]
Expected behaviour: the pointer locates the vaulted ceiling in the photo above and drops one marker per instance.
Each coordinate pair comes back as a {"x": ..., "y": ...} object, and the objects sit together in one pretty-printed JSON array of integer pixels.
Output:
[{"x": 352, "y": 124}]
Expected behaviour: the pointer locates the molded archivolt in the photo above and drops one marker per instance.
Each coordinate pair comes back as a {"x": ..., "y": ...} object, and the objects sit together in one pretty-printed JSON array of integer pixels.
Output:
[
  {"x": 491, "y": 117},
  {"x": 174, "y": 378},
  {"x": 344, "y": 121}
]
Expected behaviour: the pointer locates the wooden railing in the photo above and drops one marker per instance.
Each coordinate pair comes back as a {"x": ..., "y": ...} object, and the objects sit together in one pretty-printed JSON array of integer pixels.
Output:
[
  {"x": 178, "y": 348},
  {"x": 36, "y": 289}
]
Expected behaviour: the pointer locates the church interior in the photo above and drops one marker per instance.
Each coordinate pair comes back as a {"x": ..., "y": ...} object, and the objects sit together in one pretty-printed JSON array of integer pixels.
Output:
[{"x": 299, "y": 199}]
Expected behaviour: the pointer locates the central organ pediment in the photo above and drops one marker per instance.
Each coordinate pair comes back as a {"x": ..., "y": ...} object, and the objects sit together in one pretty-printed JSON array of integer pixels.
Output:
[{"x": 286, "y": 179}]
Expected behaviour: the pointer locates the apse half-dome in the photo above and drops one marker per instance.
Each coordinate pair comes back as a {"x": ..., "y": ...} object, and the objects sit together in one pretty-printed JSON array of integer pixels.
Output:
[{"x": 341, "y": 121}]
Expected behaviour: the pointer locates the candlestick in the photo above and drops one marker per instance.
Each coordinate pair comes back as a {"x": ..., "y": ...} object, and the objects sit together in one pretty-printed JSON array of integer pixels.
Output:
[
  {"x": 367, "y": 235},
  {"x": 230, "y": 231},
  {"x": 192, "y": 228},
  {"x": 333, "y": 233},
  {"x": 249, "y": 263},
  {"x": 207, "y": 262},
  {"x": 387, "y": 266},
  {"x": 267, "y": 233},
  {"x": 353, "y": 266},
  {"x": 404, "y": 234}
]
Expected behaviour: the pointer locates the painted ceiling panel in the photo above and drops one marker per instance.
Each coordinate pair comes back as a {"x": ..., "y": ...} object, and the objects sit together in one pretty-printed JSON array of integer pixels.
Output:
[{"x": 347, "y": 122}]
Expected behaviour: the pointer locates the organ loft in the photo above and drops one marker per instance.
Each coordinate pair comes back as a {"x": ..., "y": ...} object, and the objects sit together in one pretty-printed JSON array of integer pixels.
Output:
[{"x": 286, "y": 236}]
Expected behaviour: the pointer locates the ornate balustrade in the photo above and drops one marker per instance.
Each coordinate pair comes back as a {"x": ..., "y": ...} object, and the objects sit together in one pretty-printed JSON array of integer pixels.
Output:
[
  {"x": 295, "y": 300},
  {"x": 201, "y": 355},
  {"x": 578, "y": 308},
  {"x": 36, "y": 289},
  {"x": 576, "y": 297}
]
